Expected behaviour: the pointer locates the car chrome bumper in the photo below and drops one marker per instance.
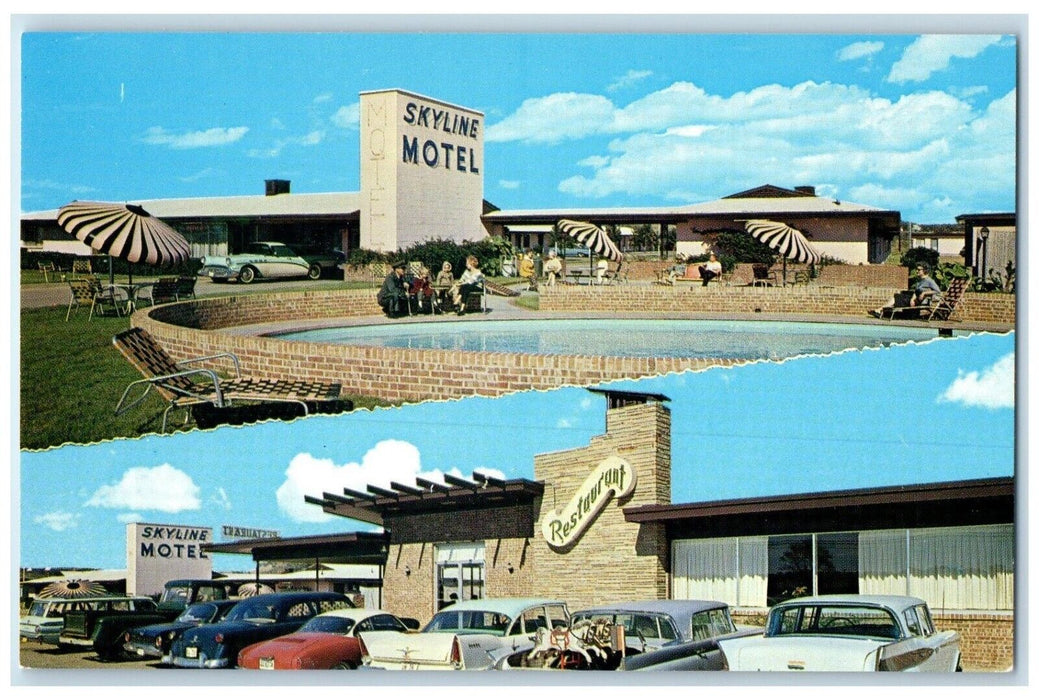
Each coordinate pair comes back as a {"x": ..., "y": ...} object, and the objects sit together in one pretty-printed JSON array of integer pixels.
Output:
[
  {"x": 218, "y": 273},
  {"x": 201, "y": 662},
  {"x": 141, "y": 649}
]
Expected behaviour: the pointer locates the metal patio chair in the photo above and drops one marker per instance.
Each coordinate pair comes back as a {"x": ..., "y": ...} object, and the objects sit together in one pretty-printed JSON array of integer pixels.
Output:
[
  {"x": 183, "y": 386},
  {"x": 91, "y": 293},
  {"x": 940, "y": 310}
]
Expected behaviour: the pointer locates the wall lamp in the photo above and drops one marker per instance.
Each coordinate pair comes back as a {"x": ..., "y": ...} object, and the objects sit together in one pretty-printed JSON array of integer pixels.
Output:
[
  {"x": 509, "y": 568},
  {"x": 984, "y": 232},
  {"x": 407, "y": 571}
]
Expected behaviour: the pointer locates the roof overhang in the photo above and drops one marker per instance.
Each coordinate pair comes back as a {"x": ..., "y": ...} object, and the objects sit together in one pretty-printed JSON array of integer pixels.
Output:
[
  {"x": 346, "y": 548},
  {"x": 922, "y": 505}
]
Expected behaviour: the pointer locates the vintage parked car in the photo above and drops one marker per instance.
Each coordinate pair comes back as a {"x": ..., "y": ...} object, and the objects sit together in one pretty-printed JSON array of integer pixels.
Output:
[
  {"x": 847, "y": 633},
  {"x": 101, "y": 626},
  {"x": 328, "y": 641},
  {"x": 251, "y": 620},
  {"x": 179, "y": 593},
  {"x": 152, "y": 641},
  {"x": 614, "y": 636},
  {"x": 263, "y": 260},
  {"x": 329, "y": 260},
  {"x": 463, "y": 636},
  {"x": 46, "y": 617}
]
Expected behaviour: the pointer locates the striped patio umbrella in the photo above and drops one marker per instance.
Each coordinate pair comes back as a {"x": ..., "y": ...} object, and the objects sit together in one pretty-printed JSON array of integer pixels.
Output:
[
  {"x": 72, "y": 588},
  {"x": 592, "y": 237},
  {"x": 785, "y": 240},
  {"x": 124, "y": 231},
  {"x": 248, "y": 590}
]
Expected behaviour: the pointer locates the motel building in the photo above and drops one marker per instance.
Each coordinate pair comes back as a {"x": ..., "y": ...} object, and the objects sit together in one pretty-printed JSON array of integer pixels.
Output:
[
  {"x": 422, "y": 173},
  {"x": 596, "y": 525}
]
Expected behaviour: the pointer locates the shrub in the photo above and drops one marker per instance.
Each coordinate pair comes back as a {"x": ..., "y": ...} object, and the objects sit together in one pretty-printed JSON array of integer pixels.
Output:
[
  {"x": 738, "y": 246},
  {"x": 363, "y": 256},
  {"x": 914, "y": 256}
]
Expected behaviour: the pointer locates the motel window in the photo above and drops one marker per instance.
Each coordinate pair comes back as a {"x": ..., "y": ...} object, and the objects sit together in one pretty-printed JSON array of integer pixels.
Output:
[{"x": 789, "y": 567}]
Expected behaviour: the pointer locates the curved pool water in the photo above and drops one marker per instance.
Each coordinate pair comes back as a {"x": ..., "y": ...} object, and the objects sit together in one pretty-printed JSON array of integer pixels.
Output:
[{"x": 766, "y": 340}]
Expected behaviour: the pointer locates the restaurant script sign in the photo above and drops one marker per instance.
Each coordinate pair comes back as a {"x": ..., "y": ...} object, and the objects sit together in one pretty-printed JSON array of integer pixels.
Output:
[{"x": 612, "y": 477}]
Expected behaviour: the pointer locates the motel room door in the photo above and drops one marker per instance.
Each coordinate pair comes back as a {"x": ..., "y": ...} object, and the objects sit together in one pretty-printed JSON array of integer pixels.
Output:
[{"x": 460, "y": 572}]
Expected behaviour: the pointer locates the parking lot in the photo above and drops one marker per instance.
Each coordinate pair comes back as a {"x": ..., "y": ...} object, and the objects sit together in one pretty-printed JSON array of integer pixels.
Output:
[{"x": 38, "y": 655}]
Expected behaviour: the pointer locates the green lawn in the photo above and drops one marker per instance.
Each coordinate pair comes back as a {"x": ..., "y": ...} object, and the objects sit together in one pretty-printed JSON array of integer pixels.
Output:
[{"x": 72, "y": 378}]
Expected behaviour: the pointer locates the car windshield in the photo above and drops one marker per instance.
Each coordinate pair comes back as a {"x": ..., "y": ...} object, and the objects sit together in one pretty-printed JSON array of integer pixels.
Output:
[
  {"x": 469, "y": 621},
  {"x": 329, "y": 623},
  {"x": 44, "y": 610},
  {"x": 202, "y": 612},
  {"x": 854, "y": 621}
]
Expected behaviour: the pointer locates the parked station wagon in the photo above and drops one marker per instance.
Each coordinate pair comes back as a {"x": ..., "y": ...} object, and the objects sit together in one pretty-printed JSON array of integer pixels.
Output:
[
  {"x": 263, "y": 260},
  {"x": 847, "y": 633},
  {"x": 46, "y": 617}
]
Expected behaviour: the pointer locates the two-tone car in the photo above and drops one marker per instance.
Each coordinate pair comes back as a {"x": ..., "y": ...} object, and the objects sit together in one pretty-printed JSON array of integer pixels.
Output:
[
  {"x": 847, "y": 633},
  {"x": 101, "y": 626},
  {"x": 465, "y": 635},
  {"x": 251, "y": 620},
  {"x": 328, "y": 641},
  {"x": 635, "y": 635},
  {"x": 46, "y": 617},
  {"x": 262, "y": 260},
  {"x": 152, "y": 641}
]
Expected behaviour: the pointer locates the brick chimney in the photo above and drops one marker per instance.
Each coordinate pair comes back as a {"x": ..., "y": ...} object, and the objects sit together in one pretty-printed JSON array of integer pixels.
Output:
[
  {"x": 806, "y": 189},
  {"x": 277, "y": 187}
]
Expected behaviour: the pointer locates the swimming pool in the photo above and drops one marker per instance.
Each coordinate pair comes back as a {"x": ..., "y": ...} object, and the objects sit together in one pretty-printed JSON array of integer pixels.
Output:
[{"x": 765, "y": 340}]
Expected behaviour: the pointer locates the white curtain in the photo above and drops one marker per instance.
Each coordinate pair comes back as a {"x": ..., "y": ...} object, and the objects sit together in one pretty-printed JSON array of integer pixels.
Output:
[
  {"x": 753, "y": 571},
  {"x": 705, "y": 569},
  {"x": 965, "y": 568},
  {"x": 882, "y": 562}
]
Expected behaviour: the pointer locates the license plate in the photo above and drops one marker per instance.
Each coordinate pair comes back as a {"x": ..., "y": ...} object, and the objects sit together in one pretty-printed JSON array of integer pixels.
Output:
[
  {"x": 267, "y": 664},
  {"x": 191, "y": 652}
]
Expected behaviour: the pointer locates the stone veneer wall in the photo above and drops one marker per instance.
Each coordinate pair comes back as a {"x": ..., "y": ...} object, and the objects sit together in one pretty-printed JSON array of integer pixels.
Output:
[
  {"x": 986, "y": 639},
  {"x": 192, "y": 329},
  {"x": 613, "y": 560}
]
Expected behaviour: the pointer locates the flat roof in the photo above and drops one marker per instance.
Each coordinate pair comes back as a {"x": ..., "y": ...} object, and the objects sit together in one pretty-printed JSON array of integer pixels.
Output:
[
  {"x": 847, "y": 499},
  {"x": 344, "y": 548}
]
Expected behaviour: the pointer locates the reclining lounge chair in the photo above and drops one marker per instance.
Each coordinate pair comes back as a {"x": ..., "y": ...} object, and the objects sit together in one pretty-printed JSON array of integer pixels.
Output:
[
  {"x": 938, "y": 310},
  {"x": 184, "y": 386}
]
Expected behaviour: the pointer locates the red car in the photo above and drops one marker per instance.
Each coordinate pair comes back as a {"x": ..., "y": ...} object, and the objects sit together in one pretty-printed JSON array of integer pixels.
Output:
[{"x": 327, "y": 641}]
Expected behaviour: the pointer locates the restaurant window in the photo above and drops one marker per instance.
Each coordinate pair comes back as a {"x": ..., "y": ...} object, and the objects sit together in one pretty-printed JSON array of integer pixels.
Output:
[
  {"x": 460, "y": 573},
  {"x": 837, "y": 563},
  {"x": 789, "y": 567}
]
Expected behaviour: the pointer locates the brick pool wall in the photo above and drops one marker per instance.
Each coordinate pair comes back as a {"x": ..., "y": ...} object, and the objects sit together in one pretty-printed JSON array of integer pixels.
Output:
[
  {"x": 192, "y": 329},
  {"x": 813, "y": 299}
]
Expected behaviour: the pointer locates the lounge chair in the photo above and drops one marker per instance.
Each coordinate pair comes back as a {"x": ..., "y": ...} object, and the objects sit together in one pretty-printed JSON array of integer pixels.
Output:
[
  {"x": 764, "y": 276},
  {"x": 46, "y": 267},
  {"x": 940, "y": 309},
  {"x": 90, "y": 292},
  {"x": 81, "y": 267},
  {"x": 186, "y": 287},
  {"x": 184, "y": 386},
  {"x": 162, "y": 291}
]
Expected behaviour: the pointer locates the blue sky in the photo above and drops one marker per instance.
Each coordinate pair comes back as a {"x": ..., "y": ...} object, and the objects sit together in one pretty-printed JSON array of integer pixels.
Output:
[
  {"x": 924, "y": 124},
  {"x": 915, "y": 413}
]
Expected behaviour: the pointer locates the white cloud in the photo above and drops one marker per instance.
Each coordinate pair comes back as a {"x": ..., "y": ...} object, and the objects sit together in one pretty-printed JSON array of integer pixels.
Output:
[
  {"x": 129, "y": 517},
  {"x": 323, "y": 97},
  {"x": 220, "y": 499},
  {"x": 163, "y": 488},
  {"x": 509, "y": 184},
  {"x": 553, "y": 118},
  {"x": 348, "y": 117},
  {"x": 860, "y": 49},
  {"x": 157, "y": 136},
  {"x": 933, "y": 52},
  {"x": 564, "y": 423},
  {"x": 388, "y": 460},
  {"x": 992, "y": 387},
  {"x": 59, "y": 520},
  {"x": 313, "y": 138},
  {"x": 629, "y": 79},
  {"x": 200, "y": 175}
]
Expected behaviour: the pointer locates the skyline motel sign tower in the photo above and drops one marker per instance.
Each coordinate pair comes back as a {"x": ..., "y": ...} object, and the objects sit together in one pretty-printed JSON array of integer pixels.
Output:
[{"x": 421, "y": 170}]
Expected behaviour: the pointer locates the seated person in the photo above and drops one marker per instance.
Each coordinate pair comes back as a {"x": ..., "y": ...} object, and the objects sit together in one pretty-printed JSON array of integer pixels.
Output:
[
  {"x": 553, "y": 267},
  {"x": 600, "y": 270},
  {"x": 393, "y": 295},
  {"x": 420, "y": 290},
  {"x": 445, "y": 280},
  {"x": 922, "y": 293},
  {"x": 470, "y": 281},
  {"x": 710, "y": 269},
  {"x": 526, "y": 265}
]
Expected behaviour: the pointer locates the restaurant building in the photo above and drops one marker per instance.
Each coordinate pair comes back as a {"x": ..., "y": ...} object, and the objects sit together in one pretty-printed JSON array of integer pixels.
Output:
[{"x": 596, "y": 524}]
